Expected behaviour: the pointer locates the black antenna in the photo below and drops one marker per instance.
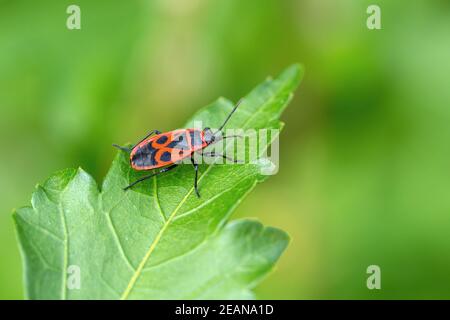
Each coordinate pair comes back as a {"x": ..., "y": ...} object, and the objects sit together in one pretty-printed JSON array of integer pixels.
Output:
[{"x": 229, "y": 116}]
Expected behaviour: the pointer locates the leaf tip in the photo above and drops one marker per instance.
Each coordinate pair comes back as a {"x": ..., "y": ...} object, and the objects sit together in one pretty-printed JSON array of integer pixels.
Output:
[
  {"x": 58, "y": 180},
  {"x": 281, "y": 235},
  {"x": 294, "y": 73},
  {"x": 85, "y": 178},
  {"x": 80, "y": 172},
  {"x": 265, "y": 167},
  {"x": 274, "y": 239}
]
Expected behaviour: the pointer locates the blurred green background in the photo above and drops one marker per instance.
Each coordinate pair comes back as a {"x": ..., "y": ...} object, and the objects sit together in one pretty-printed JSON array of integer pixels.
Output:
[{"x": 364, "y": 171}]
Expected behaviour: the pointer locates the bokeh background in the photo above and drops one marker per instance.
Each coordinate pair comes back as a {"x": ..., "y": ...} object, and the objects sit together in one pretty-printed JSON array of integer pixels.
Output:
[{"x": 365, "y": 155}]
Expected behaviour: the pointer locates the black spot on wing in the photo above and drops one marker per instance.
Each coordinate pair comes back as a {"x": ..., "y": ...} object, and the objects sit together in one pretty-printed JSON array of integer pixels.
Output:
[
  {"x": 166, "y": 156},
  {"x": 162, "y": 139},
  {"x": 173, "y": 144},
  {"x": 152, "y": 153},
  {"x": 179, "y": 142},
  {"x": 150, "y": 149}
]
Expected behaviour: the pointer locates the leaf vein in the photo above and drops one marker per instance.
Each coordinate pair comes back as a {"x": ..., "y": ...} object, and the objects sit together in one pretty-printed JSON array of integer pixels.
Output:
[{"x": 119, "y": 244}]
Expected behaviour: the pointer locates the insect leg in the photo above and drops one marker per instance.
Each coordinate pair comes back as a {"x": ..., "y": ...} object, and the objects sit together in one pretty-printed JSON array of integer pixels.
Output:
[
  {"x": 213, "y": 154},
  {"x": 196, "y": 176},
  {"x": 227, "y": 137},
  {"x": 233, "y": 136},
  {"x": 128, "y": 149},
  {"x": 150, "y": 175}
]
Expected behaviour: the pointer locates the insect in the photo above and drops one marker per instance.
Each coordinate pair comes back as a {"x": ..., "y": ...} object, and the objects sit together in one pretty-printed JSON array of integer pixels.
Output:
[{"x": 165, "y": 151}]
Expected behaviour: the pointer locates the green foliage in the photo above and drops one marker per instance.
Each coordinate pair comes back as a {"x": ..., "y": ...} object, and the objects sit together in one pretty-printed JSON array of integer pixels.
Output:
[{"x": 157, "y": 241}]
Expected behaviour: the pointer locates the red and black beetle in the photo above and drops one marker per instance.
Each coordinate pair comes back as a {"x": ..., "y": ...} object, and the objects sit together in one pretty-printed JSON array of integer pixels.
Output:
[{"x": 167, "y": 150}]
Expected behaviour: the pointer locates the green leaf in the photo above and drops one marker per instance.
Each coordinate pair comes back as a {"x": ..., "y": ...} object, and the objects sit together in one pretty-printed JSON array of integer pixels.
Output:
[{"x": 158, "y": 240}]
